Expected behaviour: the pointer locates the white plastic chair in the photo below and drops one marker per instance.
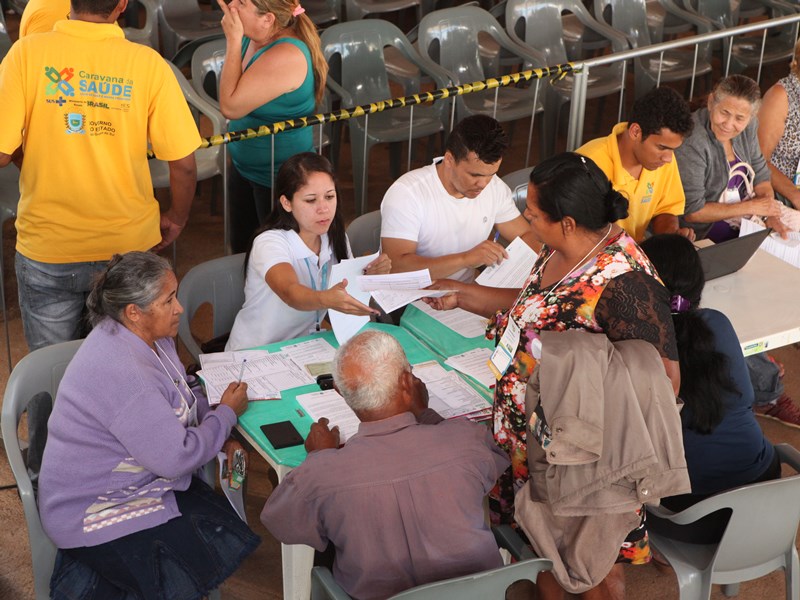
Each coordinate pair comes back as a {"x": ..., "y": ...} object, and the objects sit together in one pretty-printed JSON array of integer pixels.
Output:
[
  {"x": 486, "y": 584},
  {"x": 759, "y": 538},
  {"x": 148, "y": 33},
  {"x": 364, "y": 233},
  {"x": 219, "y": 282},
  {"x": 39, "y": 371},
  {"x": 518, "y": 182},
  {"x": 9, "y": 198},
  {"x": 449, "y": 38},
  {"x": 182, "y": 21}
]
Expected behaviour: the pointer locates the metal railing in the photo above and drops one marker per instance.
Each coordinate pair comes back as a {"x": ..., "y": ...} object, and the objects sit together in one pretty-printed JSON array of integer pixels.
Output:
[{"x": 581, "y": 69}]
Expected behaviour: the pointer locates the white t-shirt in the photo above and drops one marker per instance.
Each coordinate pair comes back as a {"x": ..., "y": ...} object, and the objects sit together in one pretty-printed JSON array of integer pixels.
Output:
[
  {"x": 418, "y": 208},
  {"x": 265, "y": 318}
]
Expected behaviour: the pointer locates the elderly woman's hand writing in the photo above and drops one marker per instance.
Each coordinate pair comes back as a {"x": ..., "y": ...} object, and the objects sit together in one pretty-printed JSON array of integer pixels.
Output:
[{"x": 235, "y": 397}]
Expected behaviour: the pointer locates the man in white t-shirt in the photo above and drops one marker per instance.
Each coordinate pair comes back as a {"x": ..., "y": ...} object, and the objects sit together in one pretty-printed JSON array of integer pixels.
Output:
[{"x": 439, "y": 217}]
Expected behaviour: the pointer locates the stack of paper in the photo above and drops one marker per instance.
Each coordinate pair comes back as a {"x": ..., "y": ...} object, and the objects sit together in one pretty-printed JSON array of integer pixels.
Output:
[
  {"x": 315, "y": 356},
  {"x": 266, "y": 377},
  {"x": 787, "y": 250},
  {"x": 459, "y": 320},
  {"x": 449, "y": 395},
  {"x": 514, "y": 271},
  {"x": 346, "y": 326},
  {"x": 474, "y": 363},
  {"x": 398, "y": 289},
  {"x": 329, "y": 404}
]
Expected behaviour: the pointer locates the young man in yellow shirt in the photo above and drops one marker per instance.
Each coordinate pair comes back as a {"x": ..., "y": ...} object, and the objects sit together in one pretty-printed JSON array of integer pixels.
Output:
[{"x": 638, "y": 159}]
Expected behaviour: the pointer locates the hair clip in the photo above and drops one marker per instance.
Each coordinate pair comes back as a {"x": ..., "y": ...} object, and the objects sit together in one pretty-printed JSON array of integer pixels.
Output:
[
  {"x": 298, "y": 10},
  {"x": 679, "y": 304}
]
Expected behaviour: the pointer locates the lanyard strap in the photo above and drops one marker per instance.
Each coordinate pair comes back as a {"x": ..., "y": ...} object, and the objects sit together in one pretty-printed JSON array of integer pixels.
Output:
[{"x": 324, "y": 285}]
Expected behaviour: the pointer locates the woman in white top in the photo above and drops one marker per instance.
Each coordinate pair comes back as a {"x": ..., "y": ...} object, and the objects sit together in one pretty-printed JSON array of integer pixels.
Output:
[{"x": 288, "y": 265}]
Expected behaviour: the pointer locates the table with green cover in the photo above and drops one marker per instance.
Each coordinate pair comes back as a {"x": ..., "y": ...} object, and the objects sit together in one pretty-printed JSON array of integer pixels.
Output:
[
  {"x": 287, "y": 408},
  {"x": 438, "y": 336}
]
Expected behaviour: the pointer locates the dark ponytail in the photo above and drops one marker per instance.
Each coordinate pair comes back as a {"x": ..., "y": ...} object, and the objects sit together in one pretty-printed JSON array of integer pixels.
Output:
[{"x": 704, "y": 371}]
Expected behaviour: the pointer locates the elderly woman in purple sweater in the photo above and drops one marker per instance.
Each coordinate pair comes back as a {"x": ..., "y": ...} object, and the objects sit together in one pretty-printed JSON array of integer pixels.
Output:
[{"x": 117, "y": 493}]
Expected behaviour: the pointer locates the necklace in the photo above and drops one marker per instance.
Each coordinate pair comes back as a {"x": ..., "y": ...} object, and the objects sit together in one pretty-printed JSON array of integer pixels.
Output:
[
  {"x": 578, "y": 264},
  {"x": 179, "y": 382}
]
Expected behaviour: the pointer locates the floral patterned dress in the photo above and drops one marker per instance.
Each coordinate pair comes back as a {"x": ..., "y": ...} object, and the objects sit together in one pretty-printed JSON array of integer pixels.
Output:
[{"x": 616, "y": 292}]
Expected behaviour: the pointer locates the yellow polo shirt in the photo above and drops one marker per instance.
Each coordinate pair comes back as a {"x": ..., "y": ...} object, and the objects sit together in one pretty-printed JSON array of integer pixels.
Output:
[
  {"x": 39, "y": 16},
  {"x": 83, "y": 102},
  {"x": 654, "y": 193}
]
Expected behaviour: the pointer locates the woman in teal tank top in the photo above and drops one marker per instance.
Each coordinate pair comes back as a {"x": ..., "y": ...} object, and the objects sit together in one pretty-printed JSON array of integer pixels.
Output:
[{"x": 274, "y": 70}]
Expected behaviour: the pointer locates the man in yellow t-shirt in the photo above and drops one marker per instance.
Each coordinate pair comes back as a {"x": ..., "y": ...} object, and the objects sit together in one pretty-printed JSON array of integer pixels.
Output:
[
  {"x": 79, "y": 105},
  {"x": 39, "y": 16},
  {"x": 638, "y": 159}
]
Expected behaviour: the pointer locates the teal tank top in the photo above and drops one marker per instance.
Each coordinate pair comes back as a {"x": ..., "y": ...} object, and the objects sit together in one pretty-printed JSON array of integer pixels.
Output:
[{"x": 253, "y": 158}]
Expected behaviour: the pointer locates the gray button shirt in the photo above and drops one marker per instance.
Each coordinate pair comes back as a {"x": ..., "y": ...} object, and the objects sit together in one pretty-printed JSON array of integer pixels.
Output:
[{"x": 402, "y": 502}]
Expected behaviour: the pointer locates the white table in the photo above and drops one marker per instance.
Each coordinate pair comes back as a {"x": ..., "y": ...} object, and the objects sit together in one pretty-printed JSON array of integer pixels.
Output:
[{"x": 762, "y": 300}]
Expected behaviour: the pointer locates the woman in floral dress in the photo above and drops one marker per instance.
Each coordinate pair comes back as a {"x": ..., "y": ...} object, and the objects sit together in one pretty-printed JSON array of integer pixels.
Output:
[{"x": 589, "y": 275}]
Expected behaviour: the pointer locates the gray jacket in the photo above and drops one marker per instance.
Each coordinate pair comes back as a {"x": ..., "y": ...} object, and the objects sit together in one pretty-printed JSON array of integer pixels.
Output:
[
  {"x": 704, "y": 169},
  {"x": 613, "y": 442}
]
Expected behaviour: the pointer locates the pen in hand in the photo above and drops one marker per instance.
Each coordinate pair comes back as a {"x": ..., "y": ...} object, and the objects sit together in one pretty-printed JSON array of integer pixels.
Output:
[
  {"x": 496, "y": 237},
  {"x": 241, "y": 370}
]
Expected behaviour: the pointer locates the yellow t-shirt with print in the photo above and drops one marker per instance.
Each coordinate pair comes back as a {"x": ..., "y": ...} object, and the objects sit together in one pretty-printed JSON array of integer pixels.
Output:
[
  {"x": 654, "y": 193},
  {"x": 39, "y": 16},
  {"x": 83, "y": 102}
]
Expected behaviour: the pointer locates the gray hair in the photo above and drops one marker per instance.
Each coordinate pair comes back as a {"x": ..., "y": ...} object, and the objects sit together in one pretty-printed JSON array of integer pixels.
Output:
[
  {"x": 131, "y": 278},
  {"x": 382, "y": 361},
  {"x": 738, "y": 86}
]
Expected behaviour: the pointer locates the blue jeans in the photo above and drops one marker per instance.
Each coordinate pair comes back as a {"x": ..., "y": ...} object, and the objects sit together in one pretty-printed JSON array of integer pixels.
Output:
[{"x": 52, "y": 298}]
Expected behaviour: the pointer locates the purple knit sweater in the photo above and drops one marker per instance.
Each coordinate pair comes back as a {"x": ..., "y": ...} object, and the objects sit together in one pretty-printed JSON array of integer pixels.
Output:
[{"x": 118, "y": 442}]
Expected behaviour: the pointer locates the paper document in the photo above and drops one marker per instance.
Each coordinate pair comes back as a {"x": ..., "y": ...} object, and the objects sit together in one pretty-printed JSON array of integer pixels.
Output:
[
  {"x": 459, "y": 320},
  {"x": 787, "y": 250},
  {"x": 514, "y": 271},
  {"x": 393, "y": 299},
  {"x": 474, "y": 363},
  {"x": 346, "y": 326},
  {"x": 448, "y": 394},
  {"x": 313, "y": 352},
  {"x": 266, "y": 377},
  {"x": 414, "y": 280},
  {"x": 329, "y": 404},
  {"x": 216, "y": 359}
]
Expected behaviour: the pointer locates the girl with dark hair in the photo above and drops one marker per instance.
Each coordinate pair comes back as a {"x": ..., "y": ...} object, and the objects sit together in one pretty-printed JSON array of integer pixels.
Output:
[
  {"x": 289, "y": 262},
  {"x": 723, "y": 444},
  {"x": 589, "y": 275}
]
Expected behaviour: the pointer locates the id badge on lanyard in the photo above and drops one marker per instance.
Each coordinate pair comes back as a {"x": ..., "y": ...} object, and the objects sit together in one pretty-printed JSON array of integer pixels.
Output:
[
  {"x": 504, "y": 352},
  {"x": 796, "y": 179},
  {"x": 323, "y": 286}
]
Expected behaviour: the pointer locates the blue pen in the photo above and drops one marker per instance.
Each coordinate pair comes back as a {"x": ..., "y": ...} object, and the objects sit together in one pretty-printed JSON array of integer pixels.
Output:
[
  {"x": 241, "y": 370},
  {"x": 496, "y": 236}
]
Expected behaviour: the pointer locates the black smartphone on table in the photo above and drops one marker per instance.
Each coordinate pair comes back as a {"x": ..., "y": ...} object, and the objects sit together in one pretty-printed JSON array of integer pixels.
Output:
[{"x": 282, "y": 435}]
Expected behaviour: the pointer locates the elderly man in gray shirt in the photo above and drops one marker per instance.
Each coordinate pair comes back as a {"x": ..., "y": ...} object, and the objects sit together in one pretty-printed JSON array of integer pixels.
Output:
[{"x": 402, "y": 501}]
